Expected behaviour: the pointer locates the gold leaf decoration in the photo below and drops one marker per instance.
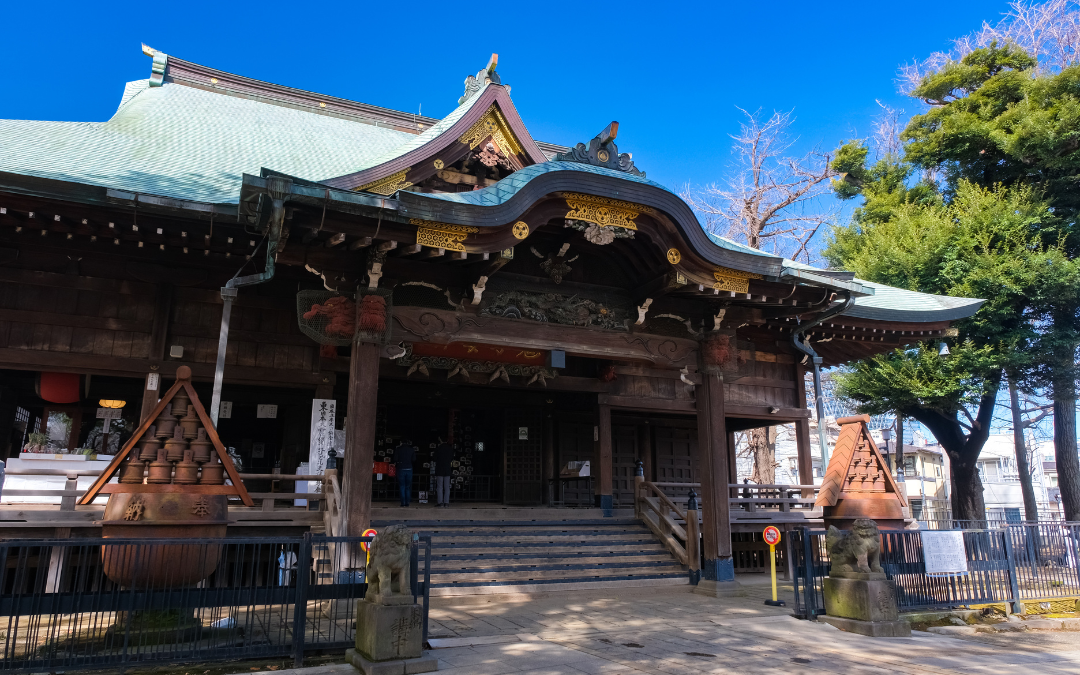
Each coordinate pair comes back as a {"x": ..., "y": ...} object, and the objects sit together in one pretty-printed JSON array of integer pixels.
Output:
[
  {"x": 603, "y": 211},
  {"x": 445, "y": 227},
  {"x": 492, "y": 124},
  {"x": 735, "y": 281},
  {"x": 442, "y": 235},
  {"x": 521, "y": 229},
  {"x": 673, "y": 256},
  {"x": 387, "y": 186}
]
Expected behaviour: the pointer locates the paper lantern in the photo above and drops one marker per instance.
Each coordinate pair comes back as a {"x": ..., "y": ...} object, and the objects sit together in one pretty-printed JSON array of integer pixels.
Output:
[{"x": 60, "y": 387}]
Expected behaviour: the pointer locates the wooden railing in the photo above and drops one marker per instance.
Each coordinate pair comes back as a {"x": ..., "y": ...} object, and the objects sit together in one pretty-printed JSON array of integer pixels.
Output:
[
  {"x": 329, "y": 500},
  {"x": 671, "y": 521},
  {"x": 662, "y": 516},
  {"x": 69, "y": 496}
]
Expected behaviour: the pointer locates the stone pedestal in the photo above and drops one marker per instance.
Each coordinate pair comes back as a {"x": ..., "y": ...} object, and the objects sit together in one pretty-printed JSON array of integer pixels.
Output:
[
  {"x": 863, "y": 603},
  {"x": 424, "y": 664},
  {"x": 389, "y": 632}
]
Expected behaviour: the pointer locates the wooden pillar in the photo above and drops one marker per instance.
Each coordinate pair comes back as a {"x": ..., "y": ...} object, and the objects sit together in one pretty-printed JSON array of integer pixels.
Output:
[
  {"x": 604, "y": 422},
  {"x": 548, "y": 491},
  {"x": 360, "y": 437},
  {"x": 732, "y": 455},
  {"x": 150, "y": 397},
  {"x": 713, "y": 465},
  {"x": 802, "y": 434},
  {"x": 645, "y": 450}
]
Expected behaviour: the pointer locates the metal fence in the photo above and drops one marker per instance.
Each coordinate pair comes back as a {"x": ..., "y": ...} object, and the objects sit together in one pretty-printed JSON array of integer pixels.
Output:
[
  {"x": 67, "y": 604},
  {"x": 1005, "y": 565}
]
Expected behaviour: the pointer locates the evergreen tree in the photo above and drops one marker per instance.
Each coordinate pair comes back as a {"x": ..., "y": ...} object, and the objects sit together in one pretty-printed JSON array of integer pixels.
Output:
[{"x": 999, "y": 244}]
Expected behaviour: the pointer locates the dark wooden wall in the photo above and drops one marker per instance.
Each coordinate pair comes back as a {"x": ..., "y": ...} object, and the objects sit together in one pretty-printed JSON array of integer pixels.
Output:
[{"x": 52, "y": 321}]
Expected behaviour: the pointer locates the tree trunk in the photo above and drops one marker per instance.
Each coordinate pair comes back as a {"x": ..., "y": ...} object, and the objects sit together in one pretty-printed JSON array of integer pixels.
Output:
[
  {"x": 967, "y": 494},
  {"x": 1068, "y": 463},
  {"x": 964, "y": 449},
  {"x": 1023, "y": 467},
  {"x": 763, "y": 450}
]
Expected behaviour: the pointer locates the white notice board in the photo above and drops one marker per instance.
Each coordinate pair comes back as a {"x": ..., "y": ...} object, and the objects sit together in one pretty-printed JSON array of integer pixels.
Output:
[{"x": 944, "y": 553}]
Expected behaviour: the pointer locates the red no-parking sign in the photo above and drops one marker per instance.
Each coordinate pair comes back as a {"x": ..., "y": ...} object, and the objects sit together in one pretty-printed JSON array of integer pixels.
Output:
[{"x": 771, "y": 535}]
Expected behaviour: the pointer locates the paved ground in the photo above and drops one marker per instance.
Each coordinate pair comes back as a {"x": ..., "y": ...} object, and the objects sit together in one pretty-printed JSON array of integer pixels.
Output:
[{"x": 670, "y": 631}]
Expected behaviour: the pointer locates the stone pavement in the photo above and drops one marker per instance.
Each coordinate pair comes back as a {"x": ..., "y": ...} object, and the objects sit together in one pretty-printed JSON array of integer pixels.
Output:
[{"x": 670, "y": 631}]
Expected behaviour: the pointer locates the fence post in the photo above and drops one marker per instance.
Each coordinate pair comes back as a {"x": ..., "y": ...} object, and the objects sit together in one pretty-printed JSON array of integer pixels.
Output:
[
  {"x": 639, "y": 478},
  {"x": 693, "y": 541},
  {"x": 808, "y": 573},
  {"x": 303, "y": 574},
  {"x": 1014, "y": 585},
  {"x": 427, "y": 581}
]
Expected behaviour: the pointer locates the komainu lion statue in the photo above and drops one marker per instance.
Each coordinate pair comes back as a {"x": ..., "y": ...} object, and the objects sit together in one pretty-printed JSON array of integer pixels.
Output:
[
  {"x": 388, "y": 568},
  {"x": 857, "y": 550}
]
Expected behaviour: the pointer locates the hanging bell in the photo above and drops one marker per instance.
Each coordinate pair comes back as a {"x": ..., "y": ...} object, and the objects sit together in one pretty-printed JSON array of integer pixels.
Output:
[
  {"x": 213, "y": 472},
  {"x": 191, "y": 423},
  {"x": 176, "y": 445},
  {"x": 149, "y": 447},
  {"x": 166, "y": 423},
  {"x": 160, "y": 470},
  {"x": 132, "y": 470},
  {"x": 201, "y": 447},
  {"x": 187, "y": 471},
  {"x": 180, "y": 403}
]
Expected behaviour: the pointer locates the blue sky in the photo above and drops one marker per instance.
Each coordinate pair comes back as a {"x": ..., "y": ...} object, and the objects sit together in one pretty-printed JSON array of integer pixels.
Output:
[{"x": 671, "y": 73}]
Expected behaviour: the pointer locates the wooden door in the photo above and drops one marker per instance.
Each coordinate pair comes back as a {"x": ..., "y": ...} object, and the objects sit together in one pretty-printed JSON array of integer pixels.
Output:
[
  {"x": 676, "y": 457},
  {"x": 624, "y": 438},
  {"x": 522, "y": 467}
]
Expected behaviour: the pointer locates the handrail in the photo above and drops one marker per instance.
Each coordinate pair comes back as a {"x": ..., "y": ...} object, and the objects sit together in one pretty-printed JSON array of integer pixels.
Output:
[{"x": 52, "y": 472}]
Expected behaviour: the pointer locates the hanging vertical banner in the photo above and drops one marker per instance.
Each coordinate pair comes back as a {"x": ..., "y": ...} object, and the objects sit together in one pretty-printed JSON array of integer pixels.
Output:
[{"x": 323, "y": 419}]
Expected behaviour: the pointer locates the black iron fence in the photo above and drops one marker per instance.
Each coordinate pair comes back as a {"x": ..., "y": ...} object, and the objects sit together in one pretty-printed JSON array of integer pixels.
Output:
[
  {"x": 1010, "y": 564},
  {"x": 67, "y": 604}
]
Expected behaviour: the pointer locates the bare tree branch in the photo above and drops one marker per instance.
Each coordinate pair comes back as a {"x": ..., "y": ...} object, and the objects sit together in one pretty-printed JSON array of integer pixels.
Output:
[
  {"x": 1049, "y": 31},
  {"x": 770, "y": 200}
]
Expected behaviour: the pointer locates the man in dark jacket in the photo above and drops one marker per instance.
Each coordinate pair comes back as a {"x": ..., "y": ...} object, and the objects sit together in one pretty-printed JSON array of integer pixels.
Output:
[
  {"x": 444, "y": 455},
  {"x": 404, "y": 456}
]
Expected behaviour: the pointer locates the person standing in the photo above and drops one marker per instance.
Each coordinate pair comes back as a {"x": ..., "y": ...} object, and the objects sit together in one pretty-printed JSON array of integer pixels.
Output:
[
  {"x": 444, "y": 455},
  {"x": 404, "y": 456}
]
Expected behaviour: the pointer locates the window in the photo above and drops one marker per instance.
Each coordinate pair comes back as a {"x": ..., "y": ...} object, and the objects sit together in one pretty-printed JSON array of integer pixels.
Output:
[{"x": 909, "y": 466}]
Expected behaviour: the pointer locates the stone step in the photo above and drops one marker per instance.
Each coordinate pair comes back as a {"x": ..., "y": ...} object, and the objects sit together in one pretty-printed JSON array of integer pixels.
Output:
[
  {"x": 421, "y": 523},
  {"x": 502, "y": 542},
  {"x": 555, "y": 571},
  {"x": 464, "y": 562},
  {"x": 553, "y": 585},
  {"x": 544, "y": 549}
]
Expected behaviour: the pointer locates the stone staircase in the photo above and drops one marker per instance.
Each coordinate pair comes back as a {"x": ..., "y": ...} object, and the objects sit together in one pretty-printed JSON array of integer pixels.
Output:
[{"x": 472, "y": 557}]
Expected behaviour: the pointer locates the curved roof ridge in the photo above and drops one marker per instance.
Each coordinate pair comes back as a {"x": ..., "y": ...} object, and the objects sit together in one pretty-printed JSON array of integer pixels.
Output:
[
  {"x": 428, "y": 135},
  {"x": 131, "y": 90}
]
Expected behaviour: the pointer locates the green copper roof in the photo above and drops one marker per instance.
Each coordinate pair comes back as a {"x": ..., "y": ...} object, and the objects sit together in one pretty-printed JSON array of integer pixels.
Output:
[
  {"x": 896, "y": 304},
  {"x": 419, "y": 140},
  {"x": 187, "y": 143}
]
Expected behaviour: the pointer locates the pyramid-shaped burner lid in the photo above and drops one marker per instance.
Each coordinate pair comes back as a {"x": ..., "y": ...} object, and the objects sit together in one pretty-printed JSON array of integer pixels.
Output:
[
  {"x": 857, "y": 470},
  {"x": 183, "y": 383}
]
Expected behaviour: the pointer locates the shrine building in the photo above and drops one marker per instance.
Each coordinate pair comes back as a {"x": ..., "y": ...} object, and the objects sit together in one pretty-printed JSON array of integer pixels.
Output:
[{"x": 537, "y": 305}]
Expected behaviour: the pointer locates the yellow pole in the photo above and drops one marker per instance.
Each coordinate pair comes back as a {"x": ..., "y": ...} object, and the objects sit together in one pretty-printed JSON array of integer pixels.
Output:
[{"x": 772, "y": 565}]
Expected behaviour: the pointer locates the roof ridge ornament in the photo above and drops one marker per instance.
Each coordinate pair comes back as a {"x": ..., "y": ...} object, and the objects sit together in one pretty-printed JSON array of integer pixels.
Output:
[
  {"x": 161, "y": 61},
  {"x": 486, "y": 75},
  {"x": 602, "y": 152}
]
